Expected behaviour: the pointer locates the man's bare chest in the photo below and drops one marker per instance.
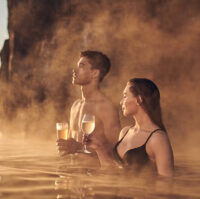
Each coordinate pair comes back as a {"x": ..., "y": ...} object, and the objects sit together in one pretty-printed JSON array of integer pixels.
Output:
[{"x": 77, "y": 114}]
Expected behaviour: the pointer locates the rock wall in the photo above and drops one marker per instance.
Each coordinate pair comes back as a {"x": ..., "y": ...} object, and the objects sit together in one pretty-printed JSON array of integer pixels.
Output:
[{"x": 4, "y": 55}]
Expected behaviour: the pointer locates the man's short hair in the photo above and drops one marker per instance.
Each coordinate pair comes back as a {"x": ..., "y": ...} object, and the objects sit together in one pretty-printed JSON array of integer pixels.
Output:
[{"x": 99, "y": 61}]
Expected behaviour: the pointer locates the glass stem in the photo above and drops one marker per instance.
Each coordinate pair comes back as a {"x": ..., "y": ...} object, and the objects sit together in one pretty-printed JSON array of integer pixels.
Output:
[{"x": 85, "y": 147}]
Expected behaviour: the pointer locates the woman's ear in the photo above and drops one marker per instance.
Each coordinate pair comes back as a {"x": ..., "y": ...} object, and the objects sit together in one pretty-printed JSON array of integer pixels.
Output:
[{"x": 139, "y": 100}]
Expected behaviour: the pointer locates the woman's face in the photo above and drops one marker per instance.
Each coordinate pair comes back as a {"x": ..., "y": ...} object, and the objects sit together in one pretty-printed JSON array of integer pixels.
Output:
[{"x": 129, "y": 102}]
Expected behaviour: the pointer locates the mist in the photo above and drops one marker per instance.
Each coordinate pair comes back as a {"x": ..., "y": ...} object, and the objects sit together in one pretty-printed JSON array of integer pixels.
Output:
[{"x": 155, "y": 39}]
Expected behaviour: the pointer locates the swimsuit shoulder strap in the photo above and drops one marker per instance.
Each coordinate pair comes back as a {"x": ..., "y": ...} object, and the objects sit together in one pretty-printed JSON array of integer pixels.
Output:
[
  {"x": 151, "y": 135},
  {"x": 124, "y": 135},
  {"x": 115, "y": 148}
]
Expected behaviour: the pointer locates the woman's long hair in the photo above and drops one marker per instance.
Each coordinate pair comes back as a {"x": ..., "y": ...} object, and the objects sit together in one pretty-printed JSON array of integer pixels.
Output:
[{"x": 150, "y": 95}]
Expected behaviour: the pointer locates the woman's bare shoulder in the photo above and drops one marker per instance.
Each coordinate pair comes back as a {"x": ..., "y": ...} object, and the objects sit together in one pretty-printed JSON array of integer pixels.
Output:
[
  {"x": 123, "y": 131},
  {"x": 158, "y": 138}
]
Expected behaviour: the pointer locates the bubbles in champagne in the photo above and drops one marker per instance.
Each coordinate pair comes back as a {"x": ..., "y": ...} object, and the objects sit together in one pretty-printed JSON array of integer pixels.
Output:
[
  {"x": 88, "y": 126},
  {"x": 62, "y": 134},
  {"x": 62, "y": 130}
]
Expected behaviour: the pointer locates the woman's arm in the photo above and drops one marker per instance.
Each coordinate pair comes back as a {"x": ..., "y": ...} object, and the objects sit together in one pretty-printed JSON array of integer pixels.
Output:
[{"x": 161, "y": 151}]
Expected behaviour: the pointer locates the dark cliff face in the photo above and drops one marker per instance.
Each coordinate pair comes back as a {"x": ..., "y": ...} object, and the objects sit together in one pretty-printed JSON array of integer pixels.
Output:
[
  {"x": 4, "y": 55},
  {"x": 157, "y": 39},
  {"x": 31, "y": 49}
]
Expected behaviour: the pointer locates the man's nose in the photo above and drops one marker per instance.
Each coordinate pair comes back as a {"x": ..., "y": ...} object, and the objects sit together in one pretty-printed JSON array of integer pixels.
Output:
[{"x": 121, "y": 102}]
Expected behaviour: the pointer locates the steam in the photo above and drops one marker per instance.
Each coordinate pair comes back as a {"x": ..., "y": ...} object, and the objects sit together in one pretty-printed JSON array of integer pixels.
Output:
[{"x": 155, "y": 39}]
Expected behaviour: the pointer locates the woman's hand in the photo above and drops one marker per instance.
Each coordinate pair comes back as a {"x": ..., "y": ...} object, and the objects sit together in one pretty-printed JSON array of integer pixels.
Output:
[{"x": 93, "y": 141}]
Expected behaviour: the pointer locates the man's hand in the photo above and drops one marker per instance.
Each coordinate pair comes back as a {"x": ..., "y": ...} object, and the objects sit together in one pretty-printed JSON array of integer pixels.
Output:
[{"x": 69, "y": 146}]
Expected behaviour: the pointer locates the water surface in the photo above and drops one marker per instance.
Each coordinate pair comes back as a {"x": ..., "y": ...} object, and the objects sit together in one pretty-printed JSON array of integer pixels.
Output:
[{"x": 34, "y": 170}]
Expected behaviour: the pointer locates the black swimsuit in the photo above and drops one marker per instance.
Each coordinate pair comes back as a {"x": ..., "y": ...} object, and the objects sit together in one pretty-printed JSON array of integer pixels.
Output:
[{"x": 136, "y": 157}]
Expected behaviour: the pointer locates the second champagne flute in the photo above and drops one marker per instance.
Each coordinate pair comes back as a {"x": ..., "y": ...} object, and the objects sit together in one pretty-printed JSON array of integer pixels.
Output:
[{"x": 87, "y": 126}]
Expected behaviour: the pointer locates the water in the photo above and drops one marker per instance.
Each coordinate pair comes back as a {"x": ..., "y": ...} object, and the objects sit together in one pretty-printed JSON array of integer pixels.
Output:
[{"x": 34, "y": 170}]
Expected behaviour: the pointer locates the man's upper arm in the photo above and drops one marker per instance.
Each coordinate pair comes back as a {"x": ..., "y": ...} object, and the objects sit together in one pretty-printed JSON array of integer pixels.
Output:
[
  {"x": 73, "y": 107},
  {"x": 110, "y": 118},
  {"x": 72, "y": 110}
]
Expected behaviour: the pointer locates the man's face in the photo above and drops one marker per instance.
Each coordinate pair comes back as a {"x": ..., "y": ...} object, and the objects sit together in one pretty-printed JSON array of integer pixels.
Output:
[{"x": 82, "y": 74}]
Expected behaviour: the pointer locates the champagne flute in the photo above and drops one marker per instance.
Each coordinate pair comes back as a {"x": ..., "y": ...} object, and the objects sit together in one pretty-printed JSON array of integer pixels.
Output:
[
  {"x": 87, "y": 126},
  {"x": 62, "y": 130}
]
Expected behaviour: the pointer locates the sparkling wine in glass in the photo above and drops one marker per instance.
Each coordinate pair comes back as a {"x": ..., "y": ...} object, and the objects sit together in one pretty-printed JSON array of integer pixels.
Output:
[
  {"x": 87, "y": 126},
  {"x": 62, "y": 130}
]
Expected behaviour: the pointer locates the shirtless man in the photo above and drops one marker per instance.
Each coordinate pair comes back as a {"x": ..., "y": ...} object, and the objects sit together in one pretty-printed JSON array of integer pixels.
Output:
[{"x": 90, "y": 71}]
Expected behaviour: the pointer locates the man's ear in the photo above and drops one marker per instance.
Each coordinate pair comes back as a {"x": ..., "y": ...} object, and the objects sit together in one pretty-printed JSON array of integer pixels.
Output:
[
  {"x": 96, "y": 73},
  {"x": 139, "y": 100}
]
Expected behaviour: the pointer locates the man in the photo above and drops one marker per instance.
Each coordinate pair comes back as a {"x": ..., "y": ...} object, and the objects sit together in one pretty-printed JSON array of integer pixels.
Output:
[{"x": 90, "y": 71}]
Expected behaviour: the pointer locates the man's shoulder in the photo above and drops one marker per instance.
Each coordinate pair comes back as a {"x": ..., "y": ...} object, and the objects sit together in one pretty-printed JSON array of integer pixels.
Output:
[{"x": 106, "y": 105}]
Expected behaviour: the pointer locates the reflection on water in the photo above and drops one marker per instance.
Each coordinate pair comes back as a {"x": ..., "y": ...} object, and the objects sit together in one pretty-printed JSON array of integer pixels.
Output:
[{"x": 34, "y": 170}]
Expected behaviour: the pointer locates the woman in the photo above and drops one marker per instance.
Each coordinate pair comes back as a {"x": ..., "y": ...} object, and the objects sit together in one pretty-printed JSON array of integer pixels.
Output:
[{"x": 147, "y": 140}]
